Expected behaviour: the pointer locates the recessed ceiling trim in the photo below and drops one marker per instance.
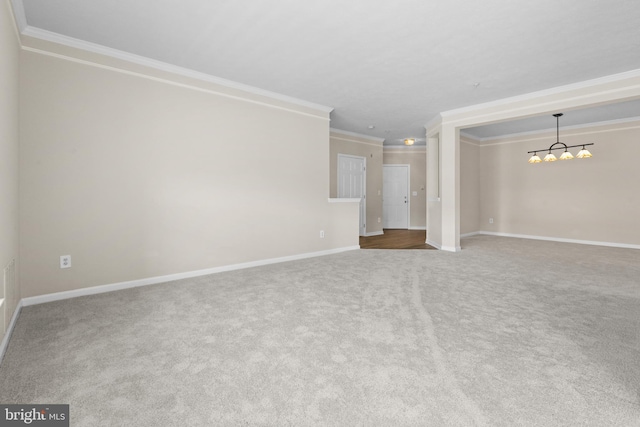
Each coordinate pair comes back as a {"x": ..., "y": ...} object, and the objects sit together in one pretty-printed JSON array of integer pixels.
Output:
[{"x": 163, "y": 66}]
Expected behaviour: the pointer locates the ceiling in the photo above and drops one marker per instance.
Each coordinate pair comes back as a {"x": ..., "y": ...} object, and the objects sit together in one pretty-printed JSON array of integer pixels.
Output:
[{"x": 393, "y": 65}]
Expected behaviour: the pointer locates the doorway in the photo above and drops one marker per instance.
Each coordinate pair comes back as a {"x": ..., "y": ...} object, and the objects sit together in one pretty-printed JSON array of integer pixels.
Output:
[
  {"x": 352, "y": 183},
  {"x": 395, "y": 196}
]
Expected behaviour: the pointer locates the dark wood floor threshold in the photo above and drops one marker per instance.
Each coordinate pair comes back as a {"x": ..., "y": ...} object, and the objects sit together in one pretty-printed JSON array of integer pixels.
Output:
[{"x": 396, "y": 239}]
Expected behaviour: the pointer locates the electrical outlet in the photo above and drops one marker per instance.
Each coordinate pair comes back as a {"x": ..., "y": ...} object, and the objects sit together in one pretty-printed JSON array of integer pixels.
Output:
[
  {"x": 378, "y": 220},
  {"x": 322, "y": 234},
  {"x": 65, "y": 261},
  {"x": 490, "y": 220}
]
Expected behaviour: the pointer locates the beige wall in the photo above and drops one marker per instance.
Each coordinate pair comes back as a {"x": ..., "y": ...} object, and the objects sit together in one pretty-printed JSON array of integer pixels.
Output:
[
  {"x": 9, "y": 63},
  {"x": 137, "y": 177},
  {"x": 592, "y": 199},
  {"x": 371, "y": 149},
  {"x": 469, "y": 187},
  {"x": 416, "y": 158}
]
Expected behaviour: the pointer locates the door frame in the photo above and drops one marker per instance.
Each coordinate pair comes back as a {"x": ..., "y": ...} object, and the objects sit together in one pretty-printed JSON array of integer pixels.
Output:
[
  {"x": 408, "y": 167},
  {"x": 362, "y": 228}
]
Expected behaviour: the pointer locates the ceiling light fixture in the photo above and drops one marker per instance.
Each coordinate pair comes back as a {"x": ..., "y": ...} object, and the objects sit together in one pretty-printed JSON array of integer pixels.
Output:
[
  {"x": 409, "y": 141},
  {"x": 566, "y": 155}
]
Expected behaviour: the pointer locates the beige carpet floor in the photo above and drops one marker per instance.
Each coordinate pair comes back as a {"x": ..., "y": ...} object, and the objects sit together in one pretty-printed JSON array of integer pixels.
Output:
[{"x": 508, "y": 332}]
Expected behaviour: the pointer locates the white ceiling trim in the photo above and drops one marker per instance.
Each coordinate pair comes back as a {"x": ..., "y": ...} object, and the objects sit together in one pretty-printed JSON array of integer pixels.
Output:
[
  {"x": 432, "y": 124},
  {"x": 563, "y": 128},
  {"x": 602, "y": 91},
  {"x": 534, "y": 96},
  {"x": 470, "y": 139},
  {"x": 474, "y": 144},
  {"x": 347, "y": 136},
  {"x": 162, "y": 66},
  {"x": 323, "y": 116},
  {"x": 400, "y": 149},
  {"x": 575, "y": 130},
  {"x": 207, "y": 38}
]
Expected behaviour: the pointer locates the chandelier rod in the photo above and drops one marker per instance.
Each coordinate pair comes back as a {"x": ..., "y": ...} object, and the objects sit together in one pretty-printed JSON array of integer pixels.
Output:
[{"x": 564, "y": 146}]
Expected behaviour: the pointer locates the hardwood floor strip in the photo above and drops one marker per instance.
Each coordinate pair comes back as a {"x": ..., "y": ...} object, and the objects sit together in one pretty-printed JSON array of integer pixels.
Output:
[{"x": 396, "y": 239}]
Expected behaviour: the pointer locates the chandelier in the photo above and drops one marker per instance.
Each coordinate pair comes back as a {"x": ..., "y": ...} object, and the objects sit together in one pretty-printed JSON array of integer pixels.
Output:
[{"x": 566, "y": 155}]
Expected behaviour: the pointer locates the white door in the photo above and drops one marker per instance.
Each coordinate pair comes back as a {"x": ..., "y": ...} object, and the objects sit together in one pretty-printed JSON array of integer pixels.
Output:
[
  {"x": 352, "y": 179},
  {"x": 395, "y": 196}
]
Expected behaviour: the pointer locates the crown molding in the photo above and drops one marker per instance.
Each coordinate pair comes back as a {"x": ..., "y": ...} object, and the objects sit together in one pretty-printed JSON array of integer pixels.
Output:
[
  {"x": 470, "y": 139},
  {"x": 432, "y": 125},
  {"x": 486, "y": 141},
  {"x": 413, "y": 149},
  {"x": 465, "y": 139},
  {"x": 163, "y": 66},
  {"x": 599, "y": 91},
  {"x": 558, "y": 90},
  {"x": 347, "y": 136}
]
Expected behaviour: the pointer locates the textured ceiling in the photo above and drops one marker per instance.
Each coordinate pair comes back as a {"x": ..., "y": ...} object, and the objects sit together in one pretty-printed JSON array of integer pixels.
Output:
[{"x": 390, "y": 64}]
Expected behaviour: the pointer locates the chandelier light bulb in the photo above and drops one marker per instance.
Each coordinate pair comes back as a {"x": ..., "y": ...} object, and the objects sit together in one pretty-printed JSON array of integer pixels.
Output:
[
  {"x": 584, "y": 154},
  {"x": 535, "y": 158},
  {"x": 566, "y": 155}
]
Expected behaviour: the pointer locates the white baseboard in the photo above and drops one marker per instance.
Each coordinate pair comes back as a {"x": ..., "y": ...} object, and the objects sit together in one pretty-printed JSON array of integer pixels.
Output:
[
  {"x": 434, "y": 244},
  {"x": 559, "y": 239},
  {"x": 57, "y": 296},
  {"x": 443, "y": 248},
  {"x": 417, "y": 228},
  {"x": 9, "y": 331},
  {"x": 475, "y": 233},
  {"x": 374, "y": 233}
]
